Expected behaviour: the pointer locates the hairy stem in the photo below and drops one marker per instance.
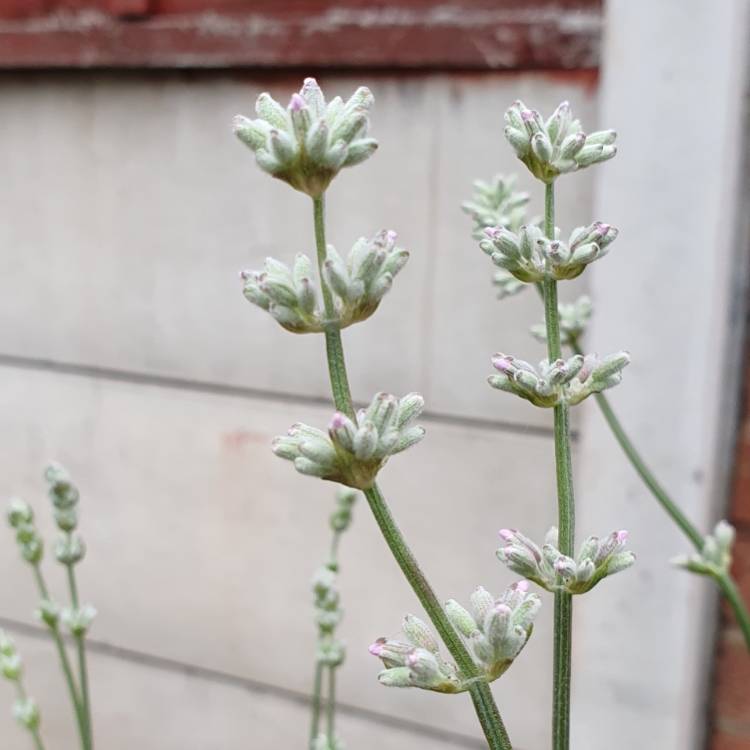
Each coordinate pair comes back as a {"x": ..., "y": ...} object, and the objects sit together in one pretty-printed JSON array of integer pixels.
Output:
[
  {"x": 64, "y": 661},
  {"x": 484, "y": 704},
  {"x": 565, "y": 506},
  {"x": 80, "y": 640},
  {"x": 636, "y": 460},
  {"x": 342, "y": 396},
  {"x": 331, "y": 705},
  {"x": 672, "y": 509},
  {"x": 731, "y": 593},
  {"x": 315, "y": 716}
]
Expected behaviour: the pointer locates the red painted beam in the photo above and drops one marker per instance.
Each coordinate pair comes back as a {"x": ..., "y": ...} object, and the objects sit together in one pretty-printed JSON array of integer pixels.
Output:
[{"x": 468, "y": 35}]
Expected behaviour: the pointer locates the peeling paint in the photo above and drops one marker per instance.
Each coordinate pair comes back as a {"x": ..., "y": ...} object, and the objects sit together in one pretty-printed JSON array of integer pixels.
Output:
[{"x": 447, "y": 36}]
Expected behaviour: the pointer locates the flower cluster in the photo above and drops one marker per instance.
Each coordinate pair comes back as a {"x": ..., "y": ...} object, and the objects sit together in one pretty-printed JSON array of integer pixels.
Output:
[
  {"x": 341, "y": 518},
  {"x": 562, "y": 381},
  {"x": 496, "y": 204},
  {"x": 328, "y": 614},
  {"x": 532, "y": 257},
  {"x": 496, "y": 630},
  {"x": 574, "y": 317},
  {"x": 554, "y": 571},
  {"x": 357, "y": 284},
  {"x": 21, "y": 520},
  {"x": 556, "y": 146},
  {"x": 64, "y": 496},
  {"x": 715, "y": 556},
  {"x": 25, "y": 709},
  {"x": 307, "y": 143},
  {"x": 353, "y": 452}
]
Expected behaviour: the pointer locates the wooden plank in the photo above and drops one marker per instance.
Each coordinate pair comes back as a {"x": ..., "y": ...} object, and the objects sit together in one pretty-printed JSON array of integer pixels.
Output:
[{"x": 189, "y": 34}]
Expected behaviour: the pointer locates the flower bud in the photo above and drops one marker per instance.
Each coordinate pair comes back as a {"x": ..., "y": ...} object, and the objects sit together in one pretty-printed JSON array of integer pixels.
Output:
[
  {"x": 26, "y": 713},
  {"x": 70, "y": 550},
  {"x": 19, "y": 512},
  {"x": 48, "y": 612},
  {"x": 715, "y": 556},
  {"x": 78, "y": 619}
]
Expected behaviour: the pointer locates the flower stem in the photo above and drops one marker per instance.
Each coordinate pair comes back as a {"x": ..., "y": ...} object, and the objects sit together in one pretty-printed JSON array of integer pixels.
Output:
[
  {"x": 731, "y": 593},
  {"x": 331, "y": 705},
  {"x": 635, "y": 458},
  {"x": 342, "y": 396},
  {"x": 64, "y": 661},
  {"x": 80, "y": 640},
  {"x": 315, "y": 716},
  {"x": 725, "y": 582},
  {"x": 566, "y": 508},
  {"x": 484, "y": 704}
]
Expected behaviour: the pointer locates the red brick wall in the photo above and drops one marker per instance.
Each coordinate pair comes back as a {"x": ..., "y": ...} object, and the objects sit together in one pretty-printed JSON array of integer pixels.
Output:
[{"x": 731, "y": 702}]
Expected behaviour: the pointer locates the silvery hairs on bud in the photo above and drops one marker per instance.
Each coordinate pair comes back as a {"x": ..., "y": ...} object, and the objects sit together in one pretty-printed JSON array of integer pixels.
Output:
[
  {"x": 574, "y": 318},
  {"x": 715, "y": 556},
  {"x": 531, "y": 257},
  {"x": 496, "y": 204},
  {"x": 353, "y": 452},
  {"x": 555, "y": 146},
  {"x": 357, "y": 284},
  {"x": 562, "y": 381},
  {"x": 309, "y": 141},
  {"x": 495, "y": 631},
  {"x": 554, "y": 571}
]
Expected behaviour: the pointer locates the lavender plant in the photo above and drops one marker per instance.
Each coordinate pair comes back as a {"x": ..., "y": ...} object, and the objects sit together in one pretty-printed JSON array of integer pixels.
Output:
[
  {"x": 536, "y": 254},
  {"x": 306, "y": 144},
  {"x": 75, "y": 617},
  {"x": 330, "y": 651},
  {"x": 506, "y": 239}
]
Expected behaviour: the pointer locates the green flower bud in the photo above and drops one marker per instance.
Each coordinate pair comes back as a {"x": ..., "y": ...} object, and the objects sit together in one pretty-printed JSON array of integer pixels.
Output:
[
  {"x": 78, "y": 619},
  {"x": 26, "y": 713}
]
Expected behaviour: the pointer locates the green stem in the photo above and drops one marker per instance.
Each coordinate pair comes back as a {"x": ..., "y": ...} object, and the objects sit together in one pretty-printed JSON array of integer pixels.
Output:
[
  {"x": 64, "y": 661},
  {"x": 317, "y": 687},
  {"x": 732, "y": 595},
  {"x": 636, "y": 460},
  {"x": 563, "y": 615},
  {"x": 333, "y": 564},
  {"x": 80, "y": 640},
  {"x": 726, "y": 584},
  {"x": 342, "y": 396},
  {"x": 484, "y": 704},
  {"x": 331, "y": 705}
]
